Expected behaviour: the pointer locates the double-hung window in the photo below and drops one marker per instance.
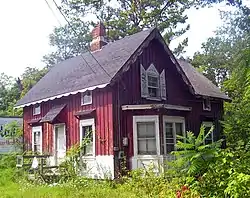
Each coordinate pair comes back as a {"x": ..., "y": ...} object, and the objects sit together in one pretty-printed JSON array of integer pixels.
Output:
[
  {"x": 37, "y": 139},
  {"x": 173, "y": 127},
  {"x": 87, "y": 137},
  {"x": 146, "y": 135}
]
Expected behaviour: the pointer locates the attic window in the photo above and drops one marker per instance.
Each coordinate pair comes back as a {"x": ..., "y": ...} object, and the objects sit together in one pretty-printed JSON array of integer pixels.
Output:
[
  {"x": 153, "y": 84},
  {"x": 36, "y": 109},
  {"x": 86, "y": 98},
  {"x": 206, "y": 104}
]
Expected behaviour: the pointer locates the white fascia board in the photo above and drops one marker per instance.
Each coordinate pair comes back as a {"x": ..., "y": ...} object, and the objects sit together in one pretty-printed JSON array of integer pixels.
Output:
[{"x": 61, "y": 95}]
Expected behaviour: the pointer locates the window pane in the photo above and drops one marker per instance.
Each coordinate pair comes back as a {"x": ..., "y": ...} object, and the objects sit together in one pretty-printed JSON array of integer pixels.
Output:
[
  {"x": 170, "y": 140},
  {"x": 142, "y": 147},
  {"x": 87, "y": 97},
  {"x": 179, "y": 129},
  {"x": 87, "y": 140},
  {"x": 151, "y": 147},
  {"x": 170, "y": 148},
  {"x": 153, "y": 81},
  {"x": 146, "y": 130},
  {"x": 36, "y": 138},
  {"x": 37, "y": 148},
  {"x": 146, "y": 147},
  {"x": 153, "y": 92},
  {"x": 169, "y": 130}
]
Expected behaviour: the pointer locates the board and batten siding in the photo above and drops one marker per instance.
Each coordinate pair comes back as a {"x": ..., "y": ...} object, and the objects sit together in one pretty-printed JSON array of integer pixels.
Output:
[
  {"x": 102, "y": 103},
  {"x": 128, "y": 92}
]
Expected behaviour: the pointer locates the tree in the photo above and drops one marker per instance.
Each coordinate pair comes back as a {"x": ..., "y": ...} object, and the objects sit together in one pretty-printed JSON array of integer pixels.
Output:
[
  {"x": 225, "y": 60},
  {"x": 67, "y": 43}
]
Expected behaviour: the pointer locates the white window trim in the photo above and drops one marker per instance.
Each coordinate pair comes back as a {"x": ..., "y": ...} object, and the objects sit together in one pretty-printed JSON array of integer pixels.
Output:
[
  {"x": 146, "y": 118},
  {"x": 34, "y": 107},
  {"x": 35, "y": 129},
  {"x": 203, "y": 104},
  {"x": 82, "y": 100},
  {"x": 88, "y": 122},
  {"x": 172, "y": 119},
  {"x": 54, "y": 138},
  {"x": 209, "y": 124}
]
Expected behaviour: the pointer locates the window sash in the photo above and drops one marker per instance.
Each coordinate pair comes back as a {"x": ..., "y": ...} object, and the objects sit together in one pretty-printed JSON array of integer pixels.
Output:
[
  {"x": 86, "y": 98},
  {"x": 36, "y": 109},
  {"x": 210, "y": 138},
  {"x": 37, "y": 139},
  {"x": 170, "y": 138},
  {"x": 87, "y": 137},
  {"x": 146, "y": 145},
  {"x": 87, "y": 130}
]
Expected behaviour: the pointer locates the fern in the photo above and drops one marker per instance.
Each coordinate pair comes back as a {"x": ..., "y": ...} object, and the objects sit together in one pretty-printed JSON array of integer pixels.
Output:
[{"x": 193, "y": 156}]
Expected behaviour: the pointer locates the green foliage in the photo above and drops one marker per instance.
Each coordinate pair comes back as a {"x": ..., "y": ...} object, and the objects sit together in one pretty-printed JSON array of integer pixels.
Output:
[
  {"x": 228, "y": 176},
  {"x": 193, "y": 156}
]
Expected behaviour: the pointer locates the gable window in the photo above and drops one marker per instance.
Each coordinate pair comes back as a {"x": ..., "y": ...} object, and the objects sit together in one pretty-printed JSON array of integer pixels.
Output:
[
  {"x": 173, "y": 127},
  {"x": 153, "y": 84},
  {"x": 37, "y": 139},
  {"x": 210, "y": 137},
  {"x": 36, "y": 109},
  {"x": 206, "y": 104},
  {"x": 86, "y": 98},
  {"x": 87, "y": 137},
  {"x": 146, "y": 135}
]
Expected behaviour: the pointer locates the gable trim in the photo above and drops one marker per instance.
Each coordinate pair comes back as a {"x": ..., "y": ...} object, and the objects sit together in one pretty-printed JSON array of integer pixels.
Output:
[{"x": 61, "y": 95}]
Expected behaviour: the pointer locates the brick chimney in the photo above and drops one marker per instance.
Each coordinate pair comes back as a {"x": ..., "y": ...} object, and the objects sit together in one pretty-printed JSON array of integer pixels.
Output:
[{"x": 98, "y": 35}]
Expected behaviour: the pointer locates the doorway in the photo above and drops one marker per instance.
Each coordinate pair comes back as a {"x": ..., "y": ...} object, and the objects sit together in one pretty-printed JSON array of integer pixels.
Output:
[{"x": 59, "y": 143}]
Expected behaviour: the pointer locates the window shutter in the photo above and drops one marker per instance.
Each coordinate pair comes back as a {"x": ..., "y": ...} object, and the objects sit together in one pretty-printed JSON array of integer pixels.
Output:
[
  {"x": 144, "y": 83},
  {"x": 163, "y": 85}
]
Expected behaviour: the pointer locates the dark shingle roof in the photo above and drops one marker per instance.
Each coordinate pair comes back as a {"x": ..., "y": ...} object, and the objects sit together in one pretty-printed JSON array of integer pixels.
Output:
[
  {"x": 201, "y": 85},
  {"x": 75, "y": 74}
]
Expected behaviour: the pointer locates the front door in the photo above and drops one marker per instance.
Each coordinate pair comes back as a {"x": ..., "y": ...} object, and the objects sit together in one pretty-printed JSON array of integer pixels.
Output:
[{"x": 59, "y": 143}]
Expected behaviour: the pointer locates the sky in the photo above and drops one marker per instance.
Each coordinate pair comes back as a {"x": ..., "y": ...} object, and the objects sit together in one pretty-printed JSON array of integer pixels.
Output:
[{"x": 26, "y": 25}]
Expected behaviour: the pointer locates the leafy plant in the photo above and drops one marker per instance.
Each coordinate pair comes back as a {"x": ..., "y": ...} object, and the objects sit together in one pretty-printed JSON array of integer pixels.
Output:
[{"x": 193, "y": 156}]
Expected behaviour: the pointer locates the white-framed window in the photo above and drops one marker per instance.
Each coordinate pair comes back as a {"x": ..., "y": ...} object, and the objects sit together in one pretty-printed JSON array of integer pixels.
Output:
[
  {"x": 210, "y": 138},
  {"x": 206, "y": 104},
  {"x": 37, "y": 139},
  {"x": 87, "y": 137},
  {"x": 146, "y": 135},
  {"x": 153, "y": 84},
  {"x": 172, "y": 127},
  {"x": 86, "y": 98},
  {"x": 37, "y": 109}
]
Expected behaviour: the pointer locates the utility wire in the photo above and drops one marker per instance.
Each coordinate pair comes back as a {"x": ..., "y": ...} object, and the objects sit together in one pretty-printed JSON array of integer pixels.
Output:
[
  {"x": 69, "y": 37},
  {"x": 58, "y": 7}
]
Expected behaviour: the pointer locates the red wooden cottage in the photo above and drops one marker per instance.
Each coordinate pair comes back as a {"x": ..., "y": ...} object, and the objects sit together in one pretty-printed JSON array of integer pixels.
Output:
[{"x": 132, "y": 94}]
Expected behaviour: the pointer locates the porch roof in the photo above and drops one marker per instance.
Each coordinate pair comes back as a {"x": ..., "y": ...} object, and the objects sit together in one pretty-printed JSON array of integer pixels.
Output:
[
  {"x": 156, "y": 106},
  {"x": 53, "y": 113}
]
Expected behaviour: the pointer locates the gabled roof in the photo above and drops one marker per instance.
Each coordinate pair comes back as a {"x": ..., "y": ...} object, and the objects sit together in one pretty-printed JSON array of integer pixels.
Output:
[
  {"x": 74, "y": 75},
  {"x": 201, "y": 85}
]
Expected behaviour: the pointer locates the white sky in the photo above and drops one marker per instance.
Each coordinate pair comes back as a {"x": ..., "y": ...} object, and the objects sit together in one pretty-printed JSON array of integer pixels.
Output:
[{"x": 26, "y": 24}]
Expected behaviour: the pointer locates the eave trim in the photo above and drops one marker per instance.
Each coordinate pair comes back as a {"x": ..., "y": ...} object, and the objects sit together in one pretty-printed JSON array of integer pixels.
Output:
[
  {"x": 155, "y": 106},
  {"x": 61, "y": 95}
]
